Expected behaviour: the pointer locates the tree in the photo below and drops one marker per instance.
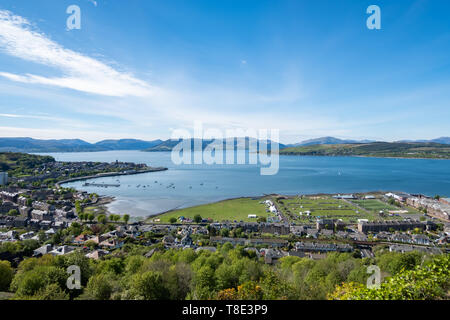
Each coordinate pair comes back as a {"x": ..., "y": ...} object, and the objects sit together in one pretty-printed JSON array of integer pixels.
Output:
[
  {"x": 78, "y": 208},
  {"x": 99, "y": 287},
  {"x": 430, "y": 281},
  {"x": 27, "y": 284},
  {"x": 6, "y": 275},
  {"x": 114, "y": 217},
  {"x": 173, "y": 220},
  {"x": 102, "y": 218},
  {"x": 204, "y": 282},
  {"x": 90, "y": 244},
  {"x": 224, "y": 232},
  {"x": 149, "y": 286},
  {"x": 91, "y": 217},
  {"x": 126, "y": 218},
  {"x": 13, "y": 212},
  {"x": 197, "y": 218},
  {"x": 51, "y": 292}
]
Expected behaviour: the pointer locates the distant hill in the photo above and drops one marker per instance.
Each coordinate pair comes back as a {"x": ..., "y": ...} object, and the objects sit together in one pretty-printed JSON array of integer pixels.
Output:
[
  {"x": 127, "y": 144},
  {"x": 442, "y": 140},
  {"x": 71, "y": 145},
  {"x": 375, "y": 149},
  {"x": 35, "y": 145},
  {"x": 328, "y": 140},
  {"x": 168, "y": 145}
]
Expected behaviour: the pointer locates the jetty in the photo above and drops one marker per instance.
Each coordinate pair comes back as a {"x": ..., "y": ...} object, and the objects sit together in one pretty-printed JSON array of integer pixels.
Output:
[{"x": 101, "y": 185}]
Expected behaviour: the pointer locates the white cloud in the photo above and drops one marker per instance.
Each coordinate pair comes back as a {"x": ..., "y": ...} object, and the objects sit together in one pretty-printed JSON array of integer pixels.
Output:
[
  {"x": 80, "y": 72},
  {"x": 93, "y": 2}
]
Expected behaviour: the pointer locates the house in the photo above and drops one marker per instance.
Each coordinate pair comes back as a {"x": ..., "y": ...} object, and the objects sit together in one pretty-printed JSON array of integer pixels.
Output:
[
  {"x": 399, "y": 196},
  {"x": 443, "y": 240},
  {"x": 325, "y": 224},
  {"x": 357, "y": 236},
  {"x": 45, "y": 249},
  {"x": 8, "y": 236},
  {"x": 45, "y": 224},
  {"x": 97, "y": 254},
  {"x": 50, "y": 232},
  {"x": 210, "y": 249},
  {"x": 402, "y": 237},
  {"x": 382, "y": 235},
  {"x": 26, "y": 236},
  {"x": 17, "y": 222},
  {"x": 326, "y": 232},
  {"x": 298, "y": 230},
  {"x": 275, "y": 228},
  {"x": 62, "y": 250},
  {"x": 322, "y": 247},
  {"x": 421, "y": 239},
  {"x": 111, "y": 243},
  {"x": 186, "y": 240},
  {"x": 81, "y": 239},
  {"x": 278, "y": 243},
  {"x": 342, "y": 234},
  {"x": 271, "y": 256},
  {"x": 344, "y": 196},
  {"x": 365, "y": 253},
  {"x": 41, "y": 215},
  {"x": 312, "y": 233},
  {"x": 377, "y": 226},
  {"x": 168, "y": 240}
]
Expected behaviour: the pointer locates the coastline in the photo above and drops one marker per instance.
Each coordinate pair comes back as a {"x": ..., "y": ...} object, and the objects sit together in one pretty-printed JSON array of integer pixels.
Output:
[
  {"x": 358, "y": 156},
  {"x": 109, "y": 174}
]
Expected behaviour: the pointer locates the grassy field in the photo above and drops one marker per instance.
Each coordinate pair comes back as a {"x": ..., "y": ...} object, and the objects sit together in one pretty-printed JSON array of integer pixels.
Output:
[
  {"x": 323, "y": 207},
  {"x": 377, "y": 205},
  {"x": 231, "y": 210},
  {"x": 96, "y": 210}
]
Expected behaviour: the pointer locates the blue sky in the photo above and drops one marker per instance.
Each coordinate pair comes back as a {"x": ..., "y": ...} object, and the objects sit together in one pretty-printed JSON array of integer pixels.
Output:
[{"x": 141, "y": 68}]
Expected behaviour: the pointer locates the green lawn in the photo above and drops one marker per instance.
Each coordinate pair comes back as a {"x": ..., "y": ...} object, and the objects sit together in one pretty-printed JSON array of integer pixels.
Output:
[
  {"x": 235, "y": 209},
  {"x": 96, "y": 210},
  {"x": 377, "y": 205},
  {"x": 323, "y": 207}
]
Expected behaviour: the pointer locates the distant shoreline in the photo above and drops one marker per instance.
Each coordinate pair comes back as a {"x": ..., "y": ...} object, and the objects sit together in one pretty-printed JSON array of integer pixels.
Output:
[
  {"x": 110, "y": 174},
  {"x": 358, "y": 156}
]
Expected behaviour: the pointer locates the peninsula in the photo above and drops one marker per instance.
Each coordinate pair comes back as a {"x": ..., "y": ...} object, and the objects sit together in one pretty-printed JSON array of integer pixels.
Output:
[{"x": 416, "y": 150}]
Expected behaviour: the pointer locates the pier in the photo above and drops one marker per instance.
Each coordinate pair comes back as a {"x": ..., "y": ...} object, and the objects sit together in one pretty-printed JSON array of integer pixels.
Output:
[{"x": 102, "y": 185}]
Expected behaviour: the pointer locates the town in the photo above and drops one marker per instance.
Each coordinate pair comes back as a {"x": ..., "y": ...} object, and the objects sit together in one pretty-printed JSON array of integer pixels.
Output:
[
  {"x": 32, "y": 208},
  {"x": 40, "y": 217}
]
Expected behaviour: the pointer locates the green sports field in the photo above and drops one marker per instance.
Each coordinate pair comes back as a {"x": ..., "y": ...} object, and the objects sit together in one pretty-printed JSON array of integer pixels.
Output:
[
  {"x": 231, "y": 210},
  {"x": 323, "y": 207},
  {"x": 376, "y": 206}
]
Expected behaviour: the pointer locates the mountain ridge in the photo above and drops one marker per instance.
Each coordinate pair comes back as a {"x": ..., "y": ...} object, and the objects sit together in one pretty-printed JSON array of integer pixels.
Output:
[{"x": 26, "y": 144}]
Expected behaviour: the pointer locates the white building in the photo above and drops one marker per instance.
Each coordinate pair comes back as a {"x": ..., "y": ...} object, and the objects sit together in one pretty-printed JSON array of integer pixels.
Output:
[{"x": 3, "y": 178}]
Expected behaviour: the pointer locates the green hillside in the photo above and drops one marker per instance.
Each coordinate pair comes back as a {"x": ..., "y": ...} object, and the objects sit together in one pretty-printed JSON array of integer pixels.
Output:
[
  {"x": 375, "y": 149},
  {"x": 21, "y": 163}
]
